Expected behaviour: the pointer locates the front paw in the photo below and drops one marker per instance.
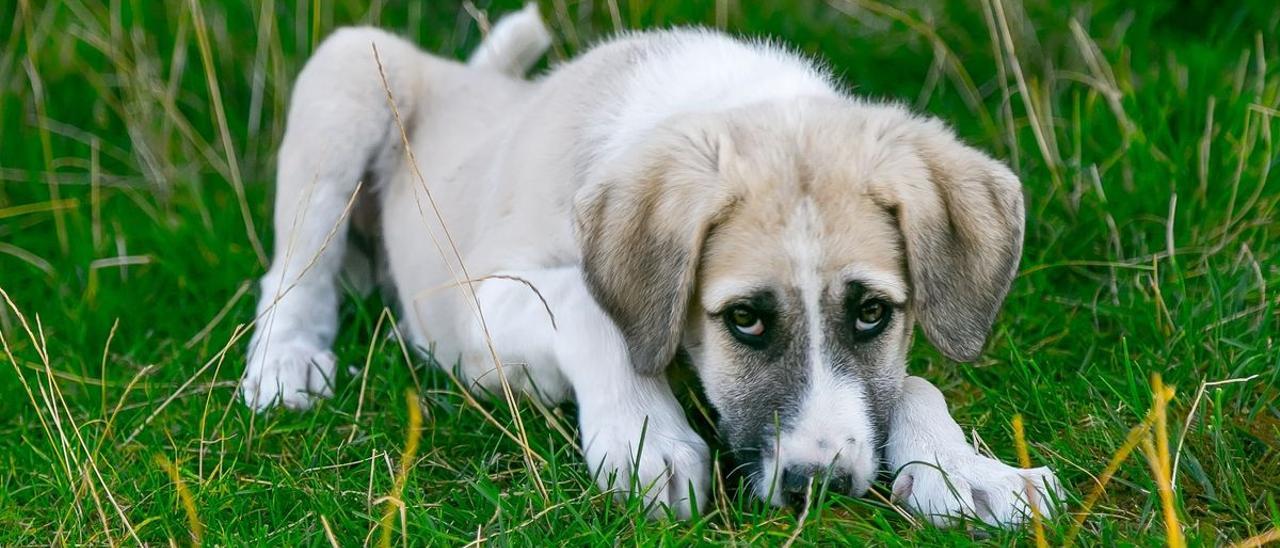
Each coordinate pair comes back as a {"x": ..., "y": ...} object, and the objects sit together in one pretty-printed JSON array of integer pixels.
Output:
[
  {"x": 664, "y": 461},
  {"x": 287, "y": 373},
  {"x": 953, "y": 485}
]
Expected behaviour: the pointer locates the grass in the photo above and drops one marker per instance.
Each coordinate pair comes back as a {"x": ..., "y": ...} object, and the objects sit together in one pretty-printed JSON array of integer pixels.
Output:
[{"x": 136, "y": 143}]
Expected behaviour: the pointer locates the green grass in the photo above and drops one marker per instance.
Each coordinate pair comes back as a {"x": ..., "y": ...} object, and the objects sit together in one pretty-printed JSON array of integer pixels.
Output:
[{"x": 1145, "y": 135}]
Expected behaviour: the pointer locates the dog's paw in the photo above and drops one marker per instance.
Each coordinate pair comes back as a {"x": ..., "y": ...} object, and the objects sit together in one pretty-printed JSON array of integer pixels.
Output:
[
  {"x": 963, "y": 484},
  {"x": 288, "y": 374},
  {"x": 668, "y": 467}
]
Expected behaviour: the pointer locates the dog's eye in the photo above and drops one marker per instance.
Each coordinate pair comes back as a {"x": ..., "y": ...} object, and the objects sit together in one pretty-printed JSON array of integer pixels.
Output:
[
  {"x": 745, "y": 321},
  {"x": 872, "y": 317}
]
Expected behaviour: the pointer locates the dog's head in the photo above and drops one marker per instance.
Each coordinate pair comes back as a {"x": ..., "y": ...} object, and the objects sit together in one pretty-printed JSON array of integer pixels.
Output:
[{"x": 789, "y": 249}]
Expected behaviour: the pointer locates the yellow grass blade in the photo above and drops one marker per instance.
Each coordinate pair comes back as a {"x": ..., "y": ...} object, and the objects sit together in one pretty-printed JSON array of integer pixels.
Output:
[
  {"x": 1024, "y": 460},
  {"x": 394, "y": 502},
  {"x": 1131, "y": 441},
  {"x": 1161, "y": 465},
  {"x": 184, "y": 496}
]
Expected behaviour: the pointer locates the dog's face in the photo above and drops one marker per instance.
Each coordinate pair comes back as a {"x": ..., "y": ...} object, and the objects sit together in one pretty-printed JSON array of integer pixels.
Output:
[
  {"x": 790, "y": 249},
  {"x": 800, "y": 324}
]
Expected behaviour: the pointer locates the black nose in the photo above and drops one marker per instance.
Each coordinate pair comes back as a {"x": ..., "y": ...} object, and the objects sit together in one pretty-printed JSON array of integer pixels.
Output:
[{"x": 796, "y": 479}]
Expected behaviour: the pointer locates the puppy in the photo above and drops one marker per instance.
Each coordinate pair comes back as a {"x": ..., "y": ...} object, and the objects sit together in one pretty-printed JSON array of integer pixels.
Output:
[{"x": 666, "y": 192}]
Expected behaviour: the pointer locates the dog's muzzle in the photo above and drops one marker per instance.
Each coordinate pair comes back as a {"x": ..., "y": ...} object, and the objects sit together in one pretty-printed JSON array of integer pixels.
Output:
[{"x": 801, "y": 482}]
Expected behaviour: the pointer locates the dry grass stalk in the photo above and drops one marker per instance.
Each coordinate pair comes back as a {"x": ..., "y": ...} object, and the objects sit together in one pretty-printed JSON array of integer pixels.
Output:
[{"x": 523, "y": 440}]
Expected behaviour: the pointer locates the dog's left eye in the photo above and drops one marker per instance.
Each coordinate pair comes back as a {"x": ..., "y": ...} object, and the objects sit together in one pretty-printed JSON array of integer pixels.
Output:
[{"x": 873, "y": 315}]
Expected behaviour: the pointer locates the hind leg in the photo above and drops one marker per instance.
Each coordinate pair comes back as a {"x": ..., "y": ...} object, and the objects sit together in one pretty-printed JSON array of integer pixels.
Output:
[{"x": 340, "y": 131}]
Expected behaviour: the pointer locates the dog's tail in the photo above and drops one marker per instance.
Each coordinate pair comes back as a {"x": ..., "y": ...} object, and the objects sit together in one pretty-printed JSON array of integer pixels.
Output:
[{"x": 514, "y": 44}]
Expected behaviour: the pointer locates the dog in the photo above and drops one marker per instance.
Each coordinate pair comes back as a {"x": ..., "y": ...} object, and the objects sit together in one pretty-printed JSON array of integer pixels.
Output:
[{"x": 667, "y": 194}]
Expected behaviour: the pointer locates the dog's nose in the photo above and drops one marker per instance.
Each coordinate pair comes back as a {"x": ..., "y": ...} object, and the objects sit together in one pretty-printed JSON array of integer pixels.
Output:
[{"x": 796, "y": 478}]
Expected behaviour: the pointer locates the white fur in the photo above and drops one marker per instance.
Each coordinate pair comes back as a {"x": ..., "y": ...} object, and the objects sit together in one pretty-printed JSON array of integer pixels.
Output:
[
  {"x": 943, "y": 478},
  {"x": 833, "y": 431},
  {"x": 702, "y": 71},
  {"x": 514, "y": 44},
  {"x": 501, "y": 159},
  {"x": 586, "y": 353}
]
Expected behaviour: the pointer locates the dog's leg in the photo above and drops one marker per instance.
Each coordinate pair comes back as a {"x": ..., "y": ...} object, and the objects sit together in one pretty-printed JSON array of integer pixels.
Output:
[
  {"x": 943, "y": 478},
  {"x": 634, "y": 432},
  {"x": 340, "y": 130}
]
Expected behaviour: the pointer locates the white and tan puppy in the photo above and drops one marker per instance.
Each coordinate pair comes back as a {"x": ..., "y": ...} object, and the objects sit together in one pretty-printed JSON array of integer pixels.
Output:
[{"x": 667, "y": 192}]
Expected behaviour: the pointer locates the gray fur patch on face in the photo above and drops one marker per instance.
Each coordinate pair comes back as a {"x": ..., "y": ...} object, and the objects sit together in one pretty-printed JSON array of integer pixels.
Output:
[
  {"x": 877, "y": 363},
  {"x": 763, "y": 387},
  {"x": 762, "y": 390}
]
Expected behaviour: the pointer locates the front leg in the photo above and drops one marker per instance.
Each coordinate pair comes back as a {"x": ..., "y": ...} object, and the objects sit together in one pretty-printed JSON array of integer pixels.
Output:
[
  {"x": 943, "y": 478},
  {"x": 635, "y": 436}
]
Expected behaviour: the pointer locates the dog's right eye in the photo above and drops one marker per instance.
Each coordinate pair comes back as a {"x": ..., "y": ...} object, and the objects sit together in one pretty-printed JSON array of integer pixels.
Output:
[{"x": 745, "y": 324}]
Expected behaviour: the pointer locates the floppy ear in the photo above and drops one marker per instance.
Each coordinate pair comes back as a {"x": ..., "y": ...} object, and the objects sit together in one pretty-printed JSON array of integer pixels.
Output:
[
  {"x": 962, "y": 224},
  {"x": 641, "y": 231}
]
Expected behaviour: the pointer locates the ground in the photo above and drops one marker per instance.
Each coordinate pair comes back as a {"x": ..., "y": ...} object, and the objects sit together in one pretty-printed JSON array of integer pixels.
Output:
[{"x": 136, "y": 156}]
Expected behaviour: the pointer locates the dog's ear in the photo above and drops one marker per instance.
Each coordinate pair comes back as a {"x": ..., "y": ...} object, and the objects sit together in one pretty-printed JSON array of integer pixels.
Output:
[
  {"x": 641, "y": 230},
  {"x": 962, "y": 224}
]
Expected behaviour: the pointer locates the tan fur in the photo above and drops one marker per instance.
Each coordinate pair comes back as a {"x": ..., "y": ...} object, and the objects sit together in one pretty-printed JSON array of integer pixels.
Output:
[
  {"x": 641, "y": 235},
  {"x": 897, "y": 195}
]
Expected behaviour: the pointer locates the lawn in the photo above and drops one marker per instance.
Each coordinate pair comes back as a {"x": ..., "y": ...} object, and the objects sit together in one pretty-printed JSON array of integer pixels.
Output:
[{"x": 137, "y": 140}]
